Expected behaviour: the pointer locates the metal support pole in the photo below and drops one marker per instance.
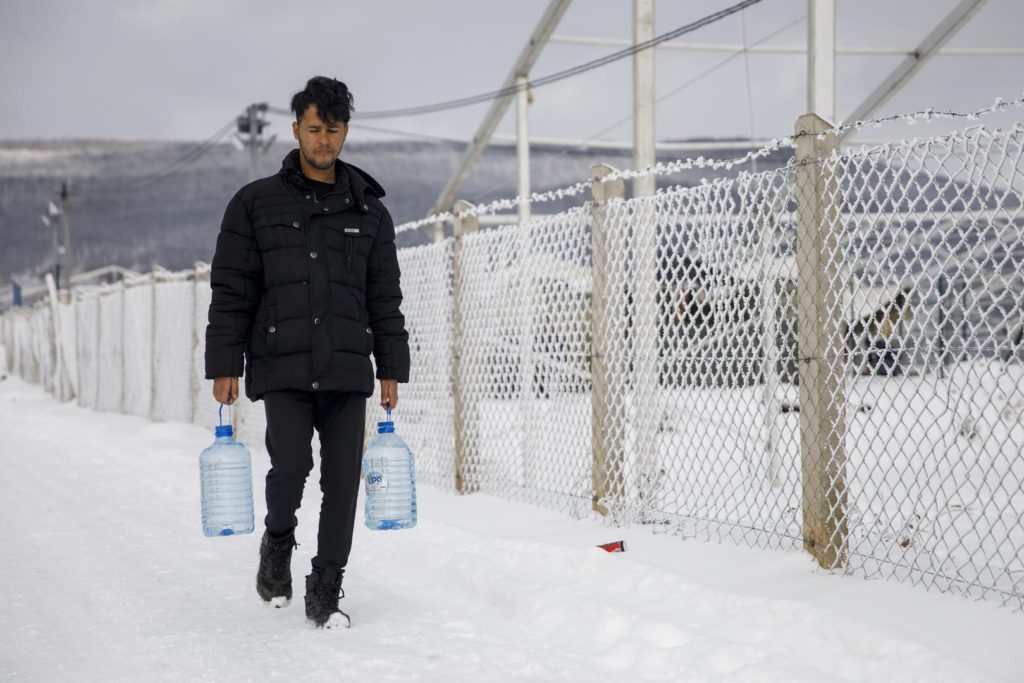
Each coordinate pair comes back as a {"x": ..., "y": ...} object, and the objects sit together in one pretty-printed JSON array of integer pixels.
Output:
[
  {"x": 644, "y": 333},
  {"x": 607, "y": 413},
  {"x": 523, "y": 144},
  {"x": 820, "y": 346},
  {"x": 465, "y": 413},
  {"x": 531, "y": 51},
  {"x": 912, "y": 63},
  {"x": 643, "y": 97},
  {"x": 821, "y": 58}
]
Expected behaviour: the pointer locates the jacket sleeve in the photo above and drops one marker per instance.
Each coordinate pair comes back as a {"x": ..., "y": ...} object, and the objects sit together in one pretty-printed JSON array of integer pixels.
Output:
[
  {"x": 383, "y": 299},
  {"x": 236, "y": 278}
]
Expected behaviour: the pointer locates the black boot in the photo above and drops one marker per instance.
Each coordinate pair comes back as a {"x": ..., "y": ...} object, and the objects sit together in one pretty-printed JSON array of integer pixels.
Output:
[
  {"x": 323, "y": 589},
  {"x": 274, "y": 578}
]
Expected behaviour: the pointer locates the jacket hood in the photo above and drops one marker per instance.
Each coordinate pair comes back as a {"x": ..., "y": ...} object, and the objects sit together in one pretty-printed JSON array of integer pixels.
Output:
[{"x": 360, "y": 181}]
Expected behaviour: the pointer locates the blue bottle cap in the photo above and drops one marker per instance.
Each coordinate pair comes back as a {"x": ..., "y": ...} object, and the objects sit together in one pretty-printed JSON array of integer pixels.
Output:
[
  {"x": 224, "y": 430},
  {"x": 385, "y": 427}
]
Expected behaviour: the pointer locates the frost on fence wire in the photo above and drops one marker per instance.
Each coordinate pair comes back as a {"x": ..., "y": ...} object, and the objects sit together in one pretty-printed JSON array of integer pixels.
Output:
[
  {"x": 25, "y": 340},
  {"x": 86, "y": 338},
  {"x": 109, "y": 348},
  {"x": 68, "y": 344},
  {"x": 699, "y": 341},
  {"x": 931, "y": 241},
  {"x": 425, "y": 415},
  {"x": 138, "y": 345},
  {"x": 43, "y": 331},
  {"x": 173, "y": 339},
  {"x": 524, "y": 371}
]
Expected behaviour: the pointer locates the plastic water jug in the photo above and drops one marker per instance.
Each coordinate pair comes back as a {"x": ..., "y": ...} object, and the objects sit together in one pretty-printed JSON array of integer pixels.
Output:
[
  {"x": 225, "y": 477},
  {"x": 390, "y": 478}
]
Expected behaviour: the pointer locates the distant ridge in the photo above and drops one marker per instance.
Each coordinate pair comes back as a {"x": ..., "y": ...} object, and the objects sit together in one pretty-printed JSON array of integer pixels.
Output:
[{"x": 174, "y": 222}]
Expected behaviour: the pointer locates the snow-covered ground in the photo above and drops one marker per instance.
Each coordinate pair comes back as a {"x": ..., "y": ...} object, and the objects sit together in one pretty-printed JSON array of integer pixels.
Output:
[{"x": 106, "y": 576}]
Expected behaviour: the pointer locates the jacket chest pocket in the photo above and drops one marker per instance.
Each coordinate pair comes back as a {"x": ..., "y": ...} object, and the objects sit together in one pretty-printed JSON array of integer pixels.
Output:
[
  {"x": 352, "y": 245},
  {"x": 280, "y": 238}
]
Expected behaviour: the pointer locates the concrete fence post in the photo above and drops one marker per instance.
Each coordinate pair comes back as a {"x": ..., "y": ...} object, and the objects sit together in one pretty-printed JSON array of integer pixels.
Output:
[
  {"x": 465, "y": 420},
  {"x": 820, "y": 344},
  {"x": 159, "y": 275},
  {"x": 607, "y": 450}
]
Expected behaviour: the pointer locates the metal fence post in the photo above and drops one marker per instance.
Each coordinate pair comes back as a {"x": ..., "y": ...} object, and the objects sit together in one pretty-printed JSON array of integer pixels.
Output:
[
  {"x": 607, "y": 451},
  {"x": 820, "y": 345},
  {"x": 465, "y": 224}
]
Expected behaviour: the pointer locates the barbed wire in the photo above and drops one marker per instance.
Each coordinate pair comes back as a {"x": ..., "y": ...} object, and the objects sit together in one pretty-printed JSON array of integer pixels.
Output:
[{"x": 702, "y": 162}]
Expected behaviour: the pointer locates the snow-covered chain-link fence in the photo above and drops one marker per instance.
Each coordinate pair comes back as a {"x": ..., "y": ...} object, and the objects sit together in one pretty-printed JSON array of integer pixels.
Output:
[
  {"x": 823, "y": 356},
  {"x": 138, "y": 346}
]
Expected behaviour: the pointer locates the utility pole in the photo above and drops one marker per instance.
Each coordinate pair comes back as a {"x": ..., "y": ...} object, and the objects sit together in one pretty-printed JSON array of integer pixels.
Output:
[
  {"x": 56, "y": 248},
  {"x": 65, "y": 216},
  {"x": 61, "y": 252},
  {"x": 250, "y": 134}
]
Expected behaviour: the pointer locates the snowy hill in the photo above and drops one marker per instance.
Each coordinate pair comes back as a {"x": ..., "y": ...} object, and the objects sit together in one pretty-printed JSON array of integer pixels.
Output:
[{"x": 174, "y": 222}]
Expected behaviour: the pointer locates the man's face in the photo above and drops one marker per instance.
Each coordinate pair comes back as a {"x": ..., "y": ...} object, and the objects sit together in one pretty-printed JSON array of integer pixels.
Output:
[{"x": 319, "y": 142}]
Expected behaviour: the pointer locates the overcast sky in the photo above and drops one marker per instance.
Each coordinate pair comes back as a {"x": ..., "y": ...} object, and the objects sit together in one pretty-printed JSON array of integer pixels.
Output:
[{"x": 180, "y": 69}]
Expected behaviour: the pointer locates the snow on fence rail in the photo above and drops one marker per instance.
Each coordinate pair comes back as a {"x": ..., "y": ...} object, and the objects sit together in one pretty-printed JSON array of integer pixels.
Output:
[{"x": 823, "y": 356}]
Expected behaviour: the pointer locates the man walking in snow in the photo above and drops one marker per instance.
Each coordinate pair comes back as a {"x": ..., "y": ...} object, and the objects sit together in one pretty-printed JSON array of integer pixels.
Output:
[{"x": 305, "y": 284}]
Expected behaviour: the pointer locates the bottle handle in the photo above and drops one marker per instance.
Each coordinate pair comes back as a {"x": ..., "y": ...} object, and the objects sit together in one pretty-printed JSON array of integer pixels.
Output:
[{"x": 220, "y": 415}]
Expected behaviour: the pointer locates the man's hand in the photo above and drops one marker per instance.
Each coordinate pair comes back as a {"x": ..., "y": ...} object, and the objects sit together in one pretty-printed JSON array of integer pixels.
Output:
[
  {"x": 388, "y": 393},
  {"x": 225, "y": 389}
]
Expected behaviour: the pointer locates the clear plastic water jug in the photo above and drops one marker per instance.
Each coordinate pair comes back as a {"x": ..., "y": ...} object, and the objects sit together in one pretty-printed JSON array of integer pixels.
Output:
[
  {"x": 225, "y": 477},
  {"x": 390, "y": 480}
]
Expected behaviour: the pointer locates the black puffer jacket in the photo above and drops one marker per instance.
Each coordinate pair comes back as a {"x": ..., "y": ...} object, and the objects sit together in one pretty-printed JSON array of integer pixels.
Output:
[{"x": 306, "y": 286}]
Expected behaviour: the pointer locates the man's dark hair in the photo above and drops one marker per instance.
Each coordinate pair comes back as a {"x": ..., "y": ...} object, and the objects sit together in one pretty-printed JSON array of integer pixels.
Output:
[{"x": 332, "y": 99}]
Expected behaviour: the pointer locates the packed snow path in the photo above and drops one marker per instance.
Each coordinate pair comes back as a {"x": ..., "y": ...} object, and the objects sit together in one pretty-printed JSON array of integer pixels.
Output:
[{"x": 107, "y": 576}]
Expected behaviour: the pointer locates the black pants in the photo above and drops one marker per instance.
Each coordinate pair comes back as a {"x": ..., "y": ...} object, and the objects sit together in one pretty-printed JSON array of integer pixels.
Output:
[{"x": 339, "y": 419}]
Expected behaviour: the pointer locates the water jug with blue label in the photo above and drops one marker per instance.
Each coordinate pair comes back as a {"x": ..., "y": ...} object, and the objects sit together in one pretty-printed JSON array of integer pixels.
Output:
[
  {"x": 390, "y": 478},
  {"x": 225, "y": 477}
]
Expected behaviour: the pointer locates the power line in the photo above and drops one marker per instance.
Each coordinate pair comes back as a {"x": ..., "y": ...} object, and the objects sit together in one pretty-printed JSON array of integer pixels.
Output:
[
  {"x": 707, "y": 72},
  {"x": 190, "y": 156},
  {"x": 557, "y": 76},
  {"x": 205, "y": 147}
]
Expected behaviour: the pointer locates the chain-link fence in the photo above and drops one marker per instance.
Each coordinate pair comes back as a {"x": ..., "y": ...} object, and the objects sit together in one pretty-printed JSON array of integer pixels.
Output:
[
  {"x": 932, "y": 232},
  {"x": 824, "y": 356},
  {"x": 137, "y": 347}
]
